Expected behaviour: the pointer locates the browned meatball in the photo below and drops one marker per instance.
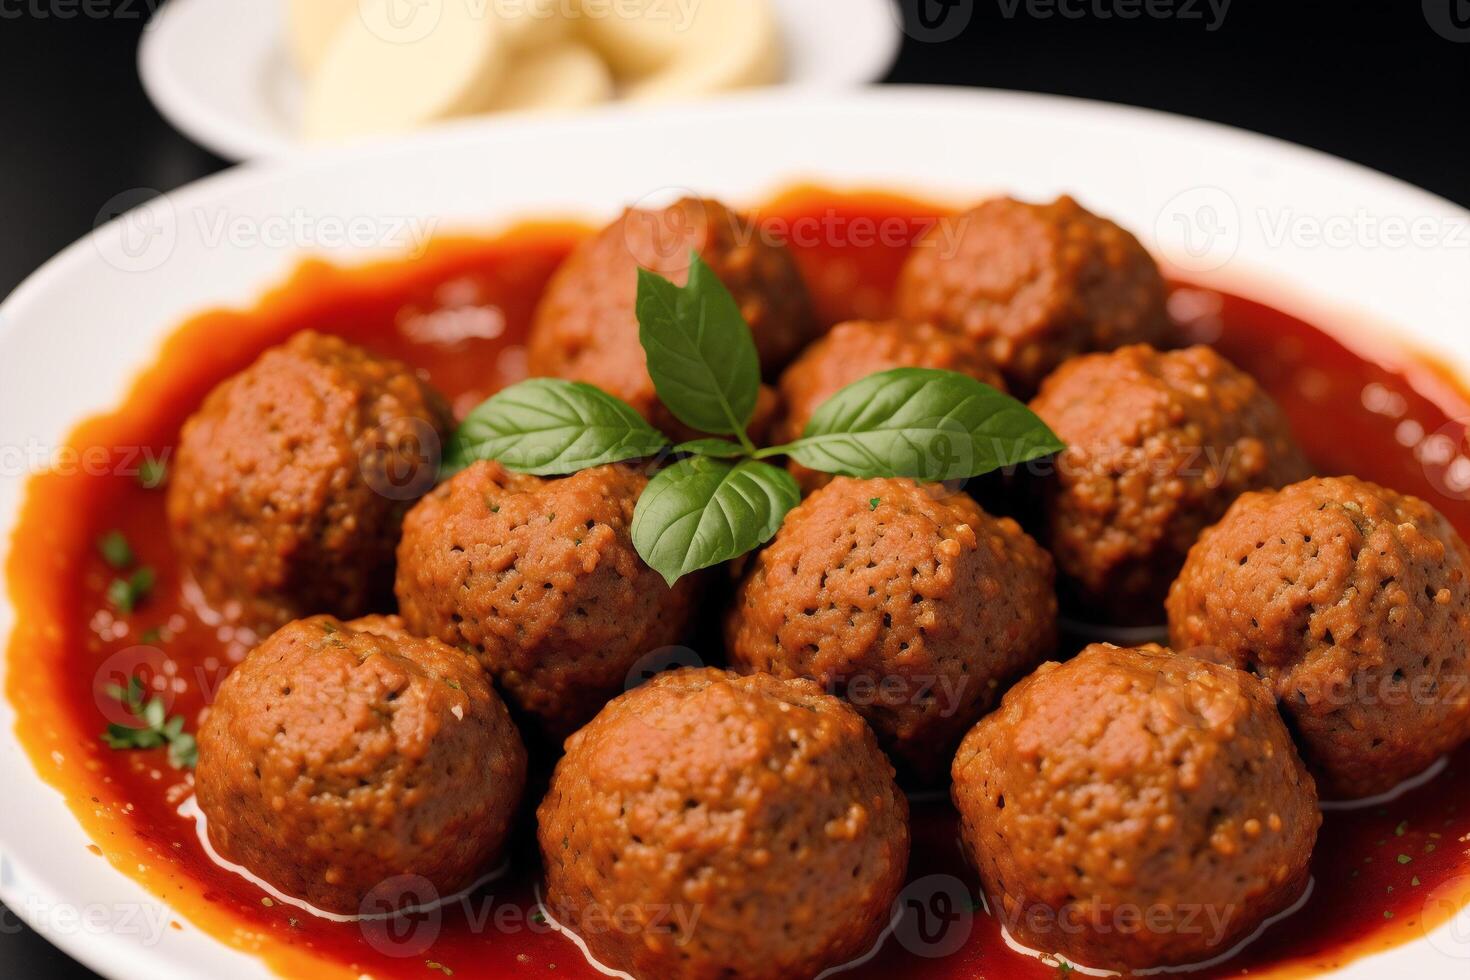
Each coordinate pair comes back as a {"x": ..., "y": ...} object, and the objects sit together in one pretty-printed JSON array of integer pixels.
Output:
[
  {"x": 1353, "y": 602},
  {"x": 1133, "y": 808},
  {"x": 909, "y": 601},
  {"x": 340, "y": 755},
  {"x": 539, "y": 579},
  {"x": 1159, "y": 445},
  {"x": 707, "y": 825},
  {"x": 290, "y": 482},
  {"x": 1036, "y": 284},
  {"x": 851, "y": 351},
  {"x": 586, "y": 327}
]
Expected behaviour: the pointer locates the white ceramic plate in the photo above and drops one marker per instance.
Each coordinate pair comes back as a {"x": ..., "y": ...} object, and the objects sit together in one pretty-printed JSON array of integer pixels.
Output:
[
  {"x": 219, "y": 70},
  {"x": 1227, "y": 206}
]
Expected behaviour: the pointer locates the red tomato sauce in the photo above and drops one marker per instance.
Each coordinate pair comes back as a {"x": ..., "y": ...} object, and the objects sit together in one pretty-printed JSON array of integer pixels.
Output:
[{"x": 460, "y": 312}]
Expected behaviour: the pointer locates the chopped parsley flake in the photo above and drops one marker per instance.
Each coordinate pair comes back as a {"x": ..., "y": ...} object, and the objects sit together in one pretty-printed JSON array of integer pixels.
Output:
[
  {"x": 874, "y": 502},
  {"x": 115, "y": 550},
  {"x": 152, "y": 474},
  {"x": 126, "y": 594},
  {"x": 156, "y": 731}
]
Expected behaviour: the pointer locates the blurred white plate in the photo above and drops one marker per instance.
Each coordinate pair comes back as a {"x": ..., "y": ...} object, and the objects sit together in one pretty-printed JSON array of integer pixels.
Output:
[
  {"x": 220, "y": 72},
  {"x": 1210, "y": 201}
]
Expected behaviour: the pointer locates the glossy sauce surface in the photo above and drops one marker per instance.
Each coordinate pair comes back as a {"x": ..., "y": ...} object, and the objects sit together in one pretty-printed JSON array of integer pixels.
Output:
[{"x": 460, "y": 313}]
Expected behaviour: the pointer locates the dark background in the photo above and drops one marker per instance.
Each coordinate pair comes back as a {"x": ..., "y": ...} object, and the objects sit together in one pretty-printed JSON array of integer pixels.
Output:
[{"x": 1382, "y": 82}]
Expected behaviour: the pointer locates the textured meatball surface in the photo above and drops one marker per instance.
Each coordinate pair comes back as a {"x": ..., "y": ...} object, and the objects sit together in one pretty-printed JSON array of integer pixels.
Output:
[
  {"x": 586, "y": 327},
  {"x": 538, "y": 578},
  {"x": 1159, "y": 445},
  {"x": 710, "y": 825},
  {"x": 1353, "y": 601},
  {"x": 290, "y": 482},
  {"x": 906, "y": 599},
  {"x": 1035, "y": 284},
  {"x": 1133, "y": 808},
  {"x": 339, "y": 755},
  {"x": 853, "y": 350}
]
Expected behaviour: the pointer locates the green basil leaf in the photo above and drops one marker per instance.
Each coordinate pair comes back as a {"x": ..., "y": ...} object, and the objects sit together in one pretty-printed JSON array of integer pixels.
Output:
[
  {"x": 183, "y": 752},
  {"x": 547, "y": 426},
  {"x": 717, "y": 448},
  {"x": 147, "y": 738},
  {"x": 120, "y": 736},
  {"x": 922, "y": 423},
  {"x": 700, "y": 353},
  {"x": 154, "y": 714},
  {"x": 701, "y": 511}
]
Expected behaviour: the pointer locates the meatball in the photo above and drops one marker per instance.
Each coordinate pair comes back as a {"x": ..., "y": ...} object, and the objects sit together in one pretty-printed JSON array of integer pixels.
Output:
[
  {"x": 1035, "y": 284},
  {"x": 1133, "y": 808},
  {"x": 290, "y": 482},
  {"x": 586, "y": 327},
  {"x": 851, "y": 351},
  {"x": 1159, "y": 445},
  {"x": 539, "y": 579},
  {"x": 710, "y": 825},
  {"x": 339, "y": 755},
  {"x": 1353, "y": 602},
  {"x": 909, "y": 601}
]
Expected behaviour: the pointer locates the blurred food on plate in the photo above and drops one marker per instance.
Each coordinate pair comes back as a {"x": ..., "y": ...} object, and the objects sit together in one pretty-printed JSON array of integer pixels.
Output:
[{"x": 385, "y": 66}]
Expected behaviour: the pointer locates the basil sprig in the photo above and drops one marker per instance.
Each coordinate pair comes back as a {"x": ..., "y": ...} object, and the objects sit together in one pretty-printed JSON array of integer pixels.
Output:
[{"x": 718, "y": 500}]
